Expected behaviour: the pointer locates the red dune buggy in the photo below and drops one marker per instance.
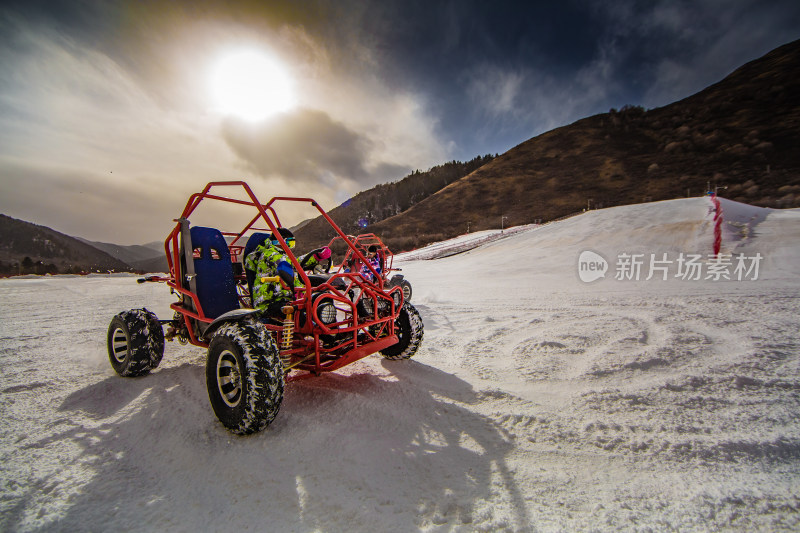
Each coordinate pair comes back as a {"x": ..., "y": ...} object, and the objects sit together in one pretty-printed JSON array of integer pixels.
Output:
[{"x": 335, "y": 318}]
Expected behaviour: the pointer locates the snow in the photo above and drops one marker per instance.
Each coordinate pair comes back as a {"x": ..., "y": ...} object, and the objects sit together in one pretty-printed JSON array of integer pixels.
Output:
[
  {"x": 460, "y": 244},
  {"x": 536, "y": 402}
]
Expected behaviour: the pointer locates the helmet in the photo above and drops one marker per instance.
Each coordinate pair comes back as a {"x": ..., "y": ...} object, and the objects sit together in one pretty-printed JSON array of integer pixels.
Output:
[
  {"x": 323, "y": 254},
  {"x": 287, "y": 235}
]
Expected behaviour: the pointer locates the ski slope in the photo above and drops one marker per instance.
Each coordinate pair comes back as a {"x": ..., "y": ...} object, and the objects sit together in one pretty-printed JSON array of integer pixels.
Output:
[
  {"x": 537, "y": 402},
  {"x": 461, "y": 244}
]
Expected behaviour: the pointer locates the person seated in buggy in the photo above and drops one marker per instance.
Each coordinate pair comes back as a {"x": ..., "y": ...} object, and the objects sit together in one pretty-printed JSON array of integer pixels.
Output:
[
  {"x": 267, "y": 262},
  {"x": 375, "y": 261}
]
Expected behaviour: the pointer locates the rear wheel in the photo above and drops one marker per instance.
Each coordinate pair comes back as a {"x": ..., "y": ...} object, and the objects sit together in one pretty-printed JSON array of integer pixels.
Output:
[
  {"x": 409, "y": 329},
  {"x": 135, "y": 342},
  {"x": 244, "y": 377}
]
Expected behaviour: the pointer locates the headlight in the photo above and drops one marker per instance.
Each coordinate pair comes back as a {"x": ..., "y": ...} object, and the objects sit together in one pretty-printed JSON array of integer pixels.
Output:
[
  {"x": 397, "y": 296},
  {"x": 327, "y": 313}
]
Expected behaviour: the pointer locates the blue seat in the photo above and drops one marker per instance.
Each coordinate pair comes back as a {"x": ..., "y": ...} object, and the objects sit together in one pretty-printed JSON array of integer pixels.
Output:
[
  {"x": 216, "y": 286},
  {"x": 255, "y": 240}
]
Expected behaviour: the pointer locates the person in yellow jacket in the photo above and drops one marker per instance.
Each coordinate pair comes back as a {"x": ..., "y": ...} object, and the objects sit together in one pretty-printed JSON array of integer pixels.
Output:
[{"x": 269, "y": 261}]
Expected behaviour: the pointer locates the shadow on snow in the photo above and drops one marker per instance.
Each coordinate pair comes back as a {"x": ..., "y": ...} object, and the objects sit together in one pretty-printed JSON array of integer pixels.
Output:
[{"x": 395, "y": 451}]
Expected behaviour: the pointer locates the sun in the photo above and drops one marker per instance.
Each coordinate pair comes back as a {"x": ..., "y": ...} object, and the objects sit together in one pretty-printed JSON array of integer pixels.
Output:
[{"x": 251, "y": 85}]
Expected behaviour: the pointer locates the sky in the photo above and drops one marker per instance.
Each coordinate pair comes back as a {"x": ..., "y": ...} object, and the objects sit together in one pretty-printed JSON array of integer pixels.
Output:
[{"x": 113, "y": 113}]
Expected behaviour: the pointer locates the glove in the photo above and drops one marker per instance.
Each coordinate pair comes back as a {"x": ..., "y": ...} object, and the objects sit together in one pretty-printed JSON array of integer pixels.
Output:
[{"x": 308, "y": 258}]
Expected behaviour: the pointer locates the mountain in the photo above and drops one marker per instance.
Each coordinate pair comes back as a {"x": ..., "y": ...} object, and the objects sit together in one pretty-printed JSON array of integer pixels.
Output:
[
  {"x": 154, "y": 264},
  {"x": 146, "y": 257},
  {"x": 126, "y": 254},
  {"x": 741, "y": 133},
  {"x": 156, "y": 246},
  {"x": 28, "y": 248},
  {"x": 384, "y": 201}
]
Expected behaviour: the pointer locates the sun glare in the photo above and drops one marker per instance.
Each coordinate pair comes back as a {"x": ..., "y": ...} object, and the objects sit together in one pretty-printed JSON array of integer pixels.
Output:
[{"x": 250, "y": 85}]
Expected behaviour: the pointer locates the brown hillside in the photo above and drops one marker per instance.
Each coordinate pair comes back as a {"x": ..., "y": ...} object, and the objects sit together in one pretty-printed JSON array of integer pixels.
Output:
[
  {"x": 384, "y": 201},
  {"x": 27, "y": 248},
  {"x": 741, "y": 133}
]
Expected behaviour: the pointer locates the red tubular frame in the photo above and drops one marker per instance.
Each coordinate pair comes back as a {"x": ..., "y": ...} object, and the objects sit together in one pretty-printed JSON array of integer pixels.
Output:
[
  {"x": 363, "y": 241},
  {"x": 307, "y": 352}
]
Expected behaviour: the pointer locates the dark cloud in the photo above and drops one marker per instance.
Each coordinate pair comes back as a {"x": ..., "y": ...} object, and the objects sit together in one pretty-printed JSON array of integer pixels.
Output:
[
  {"x": 548, "y": 55},
  {"x": 305, "y": 145},
  {"x": 539, "y": 65}
]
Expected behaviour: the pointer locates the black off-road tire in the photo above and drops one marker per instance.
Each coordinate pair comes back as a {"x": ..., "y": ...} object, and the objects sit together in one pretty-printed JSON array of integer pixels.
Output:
[
  {"x": 409, "y": 329},
  {"x": 135, "y": 342},
  {"x": 244, "y": 377}
]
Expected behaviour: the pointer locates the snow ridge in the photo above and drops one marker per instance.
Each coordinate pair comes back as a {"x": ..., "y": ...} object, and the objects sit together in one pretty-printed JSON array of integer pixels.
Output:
[{"x": 536, "y": 402}]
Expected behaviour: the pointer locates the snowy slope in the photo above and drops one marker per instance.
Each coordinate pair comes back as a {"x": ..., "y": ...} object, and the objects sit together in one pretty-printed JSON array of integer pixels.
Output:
[
  {"x": 537, "y": 401},
  {"x": 460, "y": 244}
]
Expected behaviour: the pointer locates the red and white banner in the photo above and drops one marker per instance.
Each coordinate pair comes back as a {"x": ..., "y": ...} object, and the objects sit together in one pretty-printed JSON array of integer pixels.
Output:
[{"x": 717, "y": 223}]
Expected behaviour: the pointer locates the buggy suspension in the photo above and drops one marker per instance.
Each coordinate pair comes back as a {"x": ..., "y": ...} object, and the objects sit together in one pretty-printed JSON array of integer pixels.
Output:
[
  {"x": 287, "y": 325},
  {"x": 288, "y": 333}
]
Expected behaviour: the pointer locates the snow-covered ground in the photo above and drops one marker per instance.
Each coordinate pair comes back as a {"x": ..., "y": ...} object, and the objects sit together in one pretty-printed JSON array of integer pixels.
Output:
[{"x": 538, "y": 401}]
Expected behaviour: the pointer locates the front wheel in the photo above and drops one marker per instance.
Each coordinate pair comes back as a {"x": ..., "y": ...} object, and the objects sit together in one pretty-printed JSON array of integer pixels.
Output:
[
  {"x": 244, "y": 377},
  {"x": 409, "y": 329},
  {"x": 135, "y": 342}
]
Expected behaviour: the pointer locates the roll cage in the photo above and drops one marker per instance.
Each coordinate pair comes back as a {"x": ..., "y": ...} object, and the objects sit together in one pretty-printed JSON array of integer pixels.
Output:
[
  {"x": 352, "y": 262},
  {"x": 332, "y": 320}
]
